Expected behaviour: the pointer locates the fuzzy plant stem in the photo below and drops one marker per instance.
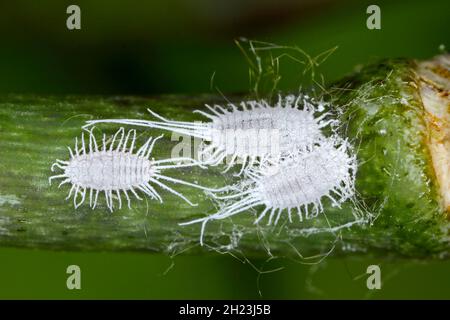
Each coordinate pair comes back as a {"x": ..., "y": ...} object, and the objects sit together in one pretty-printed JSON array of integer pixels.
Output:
[{"x": 396, "y": 113}]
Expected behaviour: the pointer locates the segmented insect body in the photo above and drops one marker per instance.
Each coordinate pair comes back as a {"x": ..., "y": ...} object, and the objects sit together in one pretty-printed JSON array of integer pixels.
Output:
[
  {"x": 253, "y": 132},
  {"x": 115, "y": 169},
  {"x": 296, "y": 184}
]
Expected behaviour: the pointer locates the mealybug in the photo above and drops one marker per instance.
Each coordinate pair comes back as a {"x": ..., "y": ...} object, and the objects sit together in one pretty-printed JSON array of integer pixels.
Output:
[
  {"x": 253, "y": 132},
  {"x": 297, "y": 183},
  {"x": 115, "y": 169}
]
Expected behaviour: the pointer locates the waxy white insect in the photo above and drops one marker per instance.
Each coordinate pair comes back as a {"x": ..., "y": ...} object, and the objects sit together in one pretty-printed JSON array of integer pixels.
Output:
[
  {"x": 295, "y": 184},
  {"x": 255, "y": 131},
  {"x": 115, "y": 169}
]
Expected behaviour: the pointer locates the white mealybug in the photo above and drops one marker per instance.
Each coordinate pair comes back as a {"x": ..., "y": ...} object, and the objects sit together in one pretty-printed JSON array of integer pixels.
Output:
[
  {"x": 255, "y": 131},
  {"x": 297, "y": 183},
  {"x": 115, "y": 169}
]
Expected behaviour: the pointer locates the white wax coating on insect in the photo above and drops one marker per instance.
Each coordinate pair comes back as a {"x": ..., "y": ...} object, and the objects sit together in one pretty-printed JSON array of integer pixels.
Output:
[
  {"x": 115, "y": 169},
  {"x": 253, "y": 131},
  {"x": 297, "y": 184}
]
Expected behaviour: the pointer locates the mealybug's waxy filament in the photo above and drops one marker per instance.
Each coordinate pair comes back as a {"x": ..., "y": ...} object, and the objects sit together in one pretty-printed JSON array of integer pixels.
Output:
[
  {"x": 297, "y": 184},
  {"x": 115, "y": 170},
  {"x": 255, "y": 131}
]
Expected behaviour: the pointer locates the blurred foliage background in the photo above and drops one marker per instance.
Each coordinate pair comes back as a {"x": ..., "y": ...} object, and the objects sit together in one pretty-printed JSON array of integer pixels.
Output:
[{"x": 176, "y": 46}]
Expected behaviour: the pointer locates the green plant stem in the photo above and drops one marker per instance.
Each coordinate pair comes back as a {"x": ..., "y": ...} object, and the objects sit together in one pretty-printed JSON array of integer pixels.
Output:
[{"x": 381, "y": 112}]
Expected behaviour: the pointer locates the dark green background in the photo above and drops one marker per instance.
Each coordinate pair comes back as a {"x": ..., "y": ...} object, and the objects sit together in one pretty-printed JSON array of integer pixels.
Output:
[{"x": 132, "y": 47}]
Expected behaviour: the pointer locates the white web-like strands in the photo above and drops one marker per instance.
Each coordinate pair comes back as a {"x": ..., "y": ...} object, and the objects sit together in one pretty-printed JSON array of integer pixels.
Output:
[
  {"x": 253, "y": 131},
  {"x": 296, "y": 185},
  {"x": 114, "y": 169}
]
